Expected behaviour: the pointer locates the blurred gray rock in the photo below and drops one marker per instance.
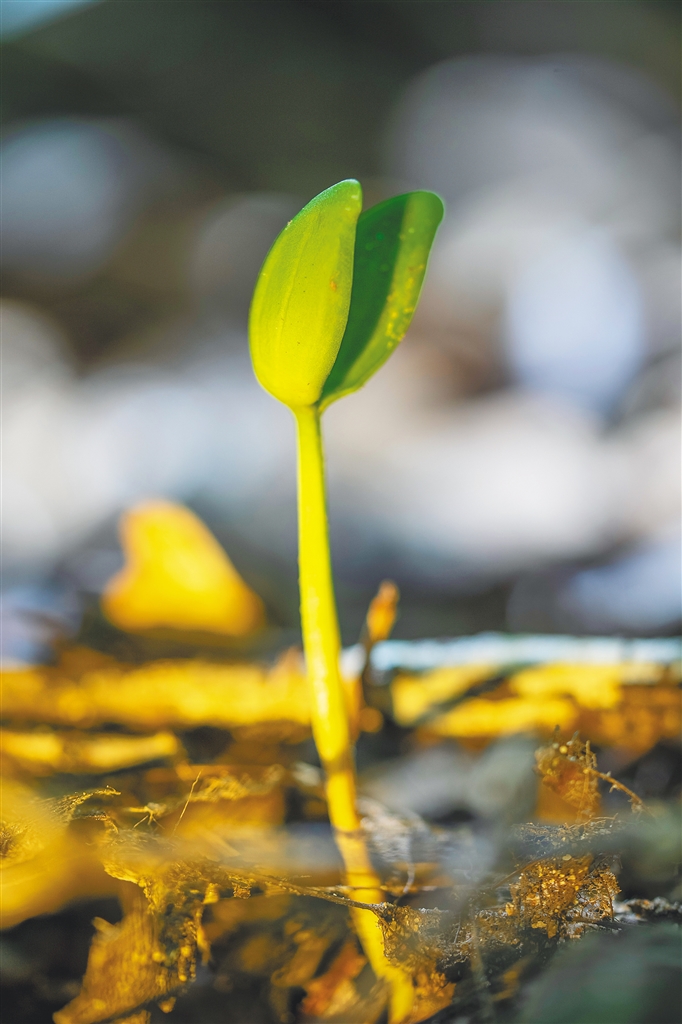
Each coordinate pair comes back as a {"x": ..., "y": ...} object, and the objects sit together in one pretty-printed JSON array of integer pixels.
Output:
[
  {"x": 71, "y": 191},
  {"x": 435, "y": 782}
]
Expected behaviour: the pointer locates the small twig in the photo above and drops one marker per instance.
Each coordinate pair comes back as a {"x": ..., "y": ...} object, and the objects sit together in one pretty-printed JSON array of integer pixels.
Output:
[
  {"x": 182, "y": 812},
  {"x": 636, "y": 801},
  {"x": 409, "y": 881}
]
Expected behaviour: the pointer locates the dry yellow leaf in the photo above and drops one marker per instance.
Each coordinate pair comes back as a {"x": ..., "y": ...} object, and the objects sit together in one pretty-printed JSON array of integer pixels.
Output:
[
  {"x": 619, "y": 704},
  {"x": 334, "y": 987},
  {"x": 173, "y": 693},
  {"x": 152, "y": 953},
  {"x": 177, "y": 576},
  {"x": 42, "y": 752},
  {"x": 223, "y": 800},
  {"x": 42, "y": 865},
  {"x": 645, "y": 715},
  {"x": 592, "y": 686},
  {"x": 483, "y": 718},
  {"x": 160, "y": 694},
  {"x": 128, "y": 966},
  {"x": 415, "y": 695}
]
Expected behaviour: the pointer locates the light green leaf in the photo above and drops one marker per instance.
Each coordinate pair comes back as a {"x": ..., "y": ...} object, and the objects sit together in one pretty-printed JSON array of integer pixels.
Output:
[
  {"x": 391, "y": 251},
  {"x": 300, "y": 305}
]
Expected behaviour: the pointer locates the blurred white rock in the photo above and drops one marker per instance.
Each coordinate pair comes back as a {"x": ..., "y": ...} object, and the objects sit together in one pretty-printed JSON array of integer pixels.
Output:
[
  {"x": 600, "y": 138},
  {"x": 652, "y": 446},
  {"x": 35, "y": 370},
  {"x": 495, "y": 484},
  {"x": 71, "y": 190},
  {"x": 561, "y": 177},
  {"x": 34, "y": 351},
  {"x": 660, "y": 281},
  {"x": 640, "y": 591},
  {"x": 75, "y": 452},
  {"x": 573, "y": 321}
]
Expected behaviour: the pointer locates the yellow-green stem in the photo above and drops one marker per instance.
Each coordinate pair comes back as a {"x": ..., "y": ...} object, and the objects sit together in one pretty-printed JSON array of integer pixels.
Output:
[
  {"x": 329, "y": 712},
  {"x": 319, "y": 620}
]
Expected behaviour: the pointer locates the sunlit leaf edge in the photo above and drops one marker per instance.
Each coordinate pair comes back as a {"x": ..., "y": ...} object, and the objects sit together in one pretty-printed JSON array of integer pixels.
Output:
[{"x": 293, "y": 364}]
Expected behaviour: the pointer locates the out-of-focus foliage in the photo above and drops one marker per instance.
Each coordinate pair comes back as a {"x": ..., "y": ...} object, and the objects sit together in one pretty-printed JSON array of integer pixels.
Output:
[
  {"x": 167, "y": 693},
  {"x": 43, "y": 864},
  {"x": 177, "y": 576},
  {"x": 632, "y": 706},
  {"x": 628, "y": 705},
  {"x": 42, "y": 752}
]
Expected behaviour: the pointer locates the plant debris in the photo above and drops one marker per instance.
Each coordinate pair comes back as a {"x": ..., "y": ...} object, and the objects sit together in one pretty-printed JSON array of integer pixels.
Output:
[
  {"x": 218, "y": 848},
  {"x": 194, "y": 853}
]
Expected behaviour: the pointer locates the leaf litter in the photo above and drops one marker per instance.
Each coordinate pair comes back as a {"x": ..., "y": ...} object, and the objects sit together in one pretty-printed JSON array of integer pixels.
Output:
[{"x": 225, "y": 867}]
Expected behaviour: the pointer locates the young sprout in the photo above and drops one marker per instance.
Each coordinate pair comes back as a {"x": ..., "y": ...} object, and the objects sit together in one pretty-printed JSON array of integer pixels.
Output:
[{"x": 335, "y": 296}]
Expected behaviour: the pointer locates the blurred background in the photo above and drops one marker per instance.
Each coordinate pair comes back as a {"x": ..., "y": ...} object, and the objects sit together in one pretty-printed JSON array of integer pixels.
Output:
[{"x": 516, "y": 464}]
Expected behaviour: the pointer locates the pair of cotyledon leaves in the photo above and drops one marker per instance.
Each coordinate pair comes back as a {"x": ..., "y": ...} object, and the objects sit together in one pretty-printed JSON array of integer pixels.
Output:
[{"x": 337, "y": 292}]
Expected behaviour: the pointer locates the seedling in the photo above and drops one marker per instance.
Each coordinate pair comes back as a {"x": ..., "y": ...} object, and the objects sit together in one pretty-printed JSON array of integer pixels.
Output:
[{"x": 335, "y": 296}]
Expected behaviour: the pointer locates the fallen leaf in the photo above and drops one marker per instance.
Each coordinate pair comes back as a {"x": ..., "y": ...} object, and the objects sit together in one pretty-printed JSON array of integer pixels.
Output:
[{"x": 177, "y": 576}]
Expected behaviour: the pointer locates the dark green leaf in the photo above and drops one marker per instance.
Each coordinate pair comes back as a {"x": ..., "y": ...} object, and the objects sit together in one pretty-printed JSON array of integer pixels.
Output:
[{"x": 391, "y": 250}]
